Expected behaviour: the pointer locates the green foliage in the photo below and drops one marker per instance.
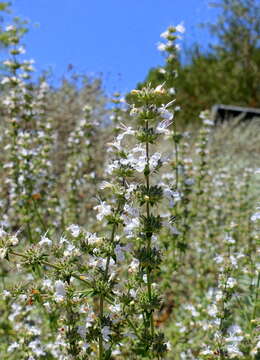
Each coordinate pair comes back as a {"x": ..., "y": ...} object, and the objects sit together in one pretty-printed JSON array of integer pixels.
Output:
[
  {"x": 227, "y": 73},
  {"x": 171, "y": 253},
  {"x": 4, "y": 6}
]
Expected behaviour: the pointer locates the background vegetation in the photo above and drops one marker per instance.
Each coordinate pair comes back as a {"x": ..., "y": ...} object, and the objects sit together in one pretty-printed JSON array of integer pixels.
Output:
[
  {"x": 227, "y": 73},
  {"x": 132, "y": 231}
]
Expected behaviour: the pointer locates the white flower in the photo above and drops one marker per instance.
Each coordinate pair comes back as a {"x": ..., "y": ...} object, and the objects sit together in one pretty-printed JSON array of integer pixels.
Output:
[
  {"x": 115, "y": 308},
  {"x": 181, "y": 327},
  {"x": 120, "y": 256},
  {"x": 92, "y": 238},
  {"x": 229, "y": 239},
  {"x": 234, "y": 339},
  {"x": 2, "y": 232},
  {"x": 162, "y": 71},
  {"x": 6, "y": 293},
  {"x": 161, "y": 47},
  {"x": 111, "y": 167},
  {"x": 47, "y": 306},
  {"x": 103, "y": 210},
  {"x": 116, "y": 144},
  {"x": 130, "y": 210},
  {"x": 219, "y": 295},
  {"x": 85, "y": 346},
  {"x": 160, "y": 89},
  {"x": 120, "y": 250},
  {"x": 35, "y": 345},
  {"x": 173, "y": 229},
  {"x": 82, "y": 330},
  {"x": 154, "y": 160},
  {"x": 169, "y": 194},
  {"x": 168, "y": 345},
  {"x": 21, "y": 50},
  {"x": 165, "y": 114},
  {"x": 133, "y": 112},
  {"x": 116, "y": 352},
  {"x": 206, "y": 351},
  {"x": 233, "y": 351},
  {"x": 161, "y": 128},
  {"x": 5, "y": 80},
  {"x": 105, "y": 184},
  {"x": 189, "y": 181},
  {"x": 231, "y": 282},
  {"x": 219, "y": 259},
  {"x": 71, "y": 250},
  {"x": 133, "y": 293},
  {"x": 139, "y": 164},
  {"x": 105, "y": 333},
  {"x": 212, "y": 310},
  {"x": 171, "y": 91},
  {"x": 47, "y": 284},
  {"x": 180, "y": 28},
  {"x": 255, "y": 217},
  {"x": 60, "y": 290},
  {"x": 192, "y": 309},
  {"x": 165, "y": 34},
  {"x": 127, "y": 131},
  {"x": 130, "y": 223},
  {"x": 14, "y": 240},
  {"x": 16, "y": 310},
  {"x": 234, "y": 330},
  {"x": 45, "y": 240},
  {"x": 63, "y": 239},
  {"x": 10, "y": 28},
  {"x": 134, "y": 265},
  {"x": 3, "y": 252},
  {"x": 208, "y": 122},
  {"x": 74, "y": 230},
  {"x": 13, "y": 346},
  {"x": 89, "y": 319},
  {"x": 22, "y": 297}
]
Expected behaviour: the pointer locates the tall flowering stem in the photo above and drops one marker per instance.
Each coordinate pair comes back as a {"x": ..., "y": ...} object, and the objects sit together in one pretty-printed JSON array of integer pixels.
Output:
[
  {"x": 79, "y": 174},
  {"x": 170, "y": 48},
  {"x": 118, "y": 112},
  {"x": 29, "y": 139},
  {"x": 152, "y": 118},
  {"x": 113, "y": 248}
]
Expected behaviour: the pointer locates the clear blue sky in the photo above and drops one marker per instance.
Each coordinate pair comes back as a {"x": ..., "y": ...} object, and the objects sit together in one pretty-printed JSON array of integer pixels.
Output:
[{"x": 115, "y": 37}]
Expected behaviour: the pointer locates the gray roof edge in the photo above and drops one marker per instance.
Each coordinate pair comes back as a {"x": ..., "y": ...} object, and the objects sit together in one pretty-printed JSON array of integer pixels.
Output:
[{"x": 235, "y": 108}]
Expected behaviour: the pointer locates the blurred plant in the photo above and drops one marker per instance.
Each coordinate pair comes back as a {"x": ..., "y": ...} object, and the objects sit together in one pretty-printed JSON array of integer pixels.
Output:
[{"x": 227, "y": 73}]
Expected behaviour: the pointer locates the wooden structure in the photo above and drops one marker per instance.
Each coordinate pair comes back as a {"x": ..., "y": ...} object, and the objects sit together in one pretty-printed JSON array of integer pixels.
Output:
[{"x": 221, "y": 113}]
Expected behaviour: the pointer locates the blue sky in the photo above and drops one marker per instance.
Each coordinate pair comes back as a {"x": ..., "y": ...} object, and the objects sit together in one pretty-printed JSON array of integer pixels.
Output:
[{"x": 112, "y": 37}]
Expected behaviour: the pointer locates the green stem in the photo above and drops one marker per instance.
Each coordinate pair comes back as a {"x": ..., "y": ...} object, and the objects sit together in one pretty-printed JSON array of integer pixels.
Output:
[
  {"x": 111, "y": 242},
  {"x": 101, "y": 299},
  {"x": 176, "y": 158},
  {"x": 101, "y": 313},
  {"x": 56, "y": 267},
  {"x": 148, "y": 269},
  {"x": 39, "y": 216},
  {"x": 256, "y": 297},
  {"x": 133, "y": 328},
  {"x": 29, "y": 232}
]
